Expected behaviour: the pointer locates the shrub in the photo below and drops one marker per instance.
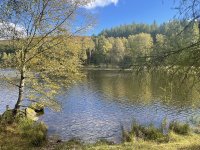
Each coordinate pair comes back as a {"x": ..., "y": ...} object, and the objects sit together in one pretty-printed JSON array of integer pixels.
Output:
[
  {"x": 147, "y": 133},
  {"x": 7, "y": 117},
  {"x": 126, "y": 136},
  {"x": 179, "y": 128},
  {"x": 33, "y": 131},
  {"x": 152, "y": 133}
]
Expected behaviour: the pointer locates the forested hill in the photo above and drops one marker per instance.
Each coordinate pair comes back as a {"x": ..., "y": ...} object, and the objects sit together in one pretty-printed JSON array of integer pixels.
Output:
[
  {"x": 126, "y": 30},
  {"x": 126, "y": 45},
  {"x": 136, "y": 28}
]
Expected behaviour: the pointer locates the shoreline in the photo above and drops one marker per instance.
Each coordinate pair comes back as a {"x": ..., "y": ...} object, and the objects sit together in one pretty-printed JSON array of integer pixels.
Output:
[{"x": 104, "y": 69}]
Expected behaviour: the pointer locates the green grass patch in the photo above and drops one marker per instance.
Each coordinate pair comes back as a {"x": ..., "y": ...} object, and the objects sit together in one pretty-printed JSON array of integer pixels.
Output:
[{"x": 22, "y": 134}]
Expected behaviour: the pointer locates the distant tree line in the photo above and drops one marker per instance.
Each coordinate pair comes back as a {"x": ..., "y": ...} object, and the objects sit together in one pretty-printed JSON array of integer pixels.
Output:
[
  {"x": 135, "y": 28},
  {"x": 134, "y": 45},
  {"x": 141, "y": 44}
]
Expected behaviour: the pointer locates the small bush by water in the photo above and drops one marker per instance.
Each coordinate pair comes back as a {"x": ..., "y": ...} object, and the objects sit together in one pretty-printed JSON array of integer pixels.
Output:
[
  {"x": 20, "y": 131},
  {"x": 179, "y": 128},
  {"x": 35, "y": 132},
  {"x": 7, "y": 117},
  {"x": 151, "y": 133},
  {"x": 147, "y": 133}
]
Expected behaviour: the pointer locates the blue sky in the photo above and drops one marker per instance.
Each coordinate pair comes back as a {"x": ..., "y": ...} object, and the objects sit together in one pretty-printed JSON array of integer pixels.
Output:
[{"x": 111, "y": 13}]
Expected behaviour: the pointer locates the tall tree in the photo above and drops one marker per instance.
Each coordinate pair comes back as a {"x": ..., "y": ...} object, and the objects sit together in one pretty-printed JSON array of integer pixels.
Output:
[
  {"x": 87, "y": 46},
  {"x": 140, "y": 44},
  {"x": 102, "y": 49},
  {"x": 118, "y": 51}
]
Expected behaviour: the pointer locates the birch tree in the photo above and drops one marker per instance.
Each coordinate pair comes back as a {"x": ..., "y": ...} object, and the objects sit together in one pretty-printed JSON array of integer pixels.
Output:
[{"x": 40, "y": 30}]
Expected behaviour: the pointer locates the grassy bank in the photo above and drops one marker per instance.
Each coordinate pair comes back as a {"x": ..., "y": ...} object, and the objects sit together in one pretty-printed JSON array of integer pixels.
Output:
[
  {"x": 21, "y": 133},
  {"x": 14, "y": 141},
  {"x": 26, "y": 134},
  {"x": 179, "y": 136},
  {"x": 177, "y": 142}
]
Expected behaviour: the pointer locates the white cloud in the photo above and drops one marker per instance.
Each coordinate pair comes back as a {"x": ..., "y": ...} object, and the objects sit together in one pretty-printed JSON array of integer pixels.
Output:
[
  {"x": 101, "y": 3},
  {"x": 10, "y": 30}
]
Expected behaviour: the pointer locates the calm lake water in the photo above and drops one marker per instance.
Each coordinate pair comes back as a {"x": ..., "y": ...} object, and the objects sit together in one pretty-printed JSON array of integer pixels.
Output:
[{"x": 106, "y": 101}]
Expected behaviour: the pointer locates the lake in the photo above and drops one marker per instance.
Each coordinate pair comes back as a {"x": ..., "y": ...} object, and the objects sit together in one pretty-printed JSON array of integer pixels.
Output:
[{"x": 106, "y": 101}]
